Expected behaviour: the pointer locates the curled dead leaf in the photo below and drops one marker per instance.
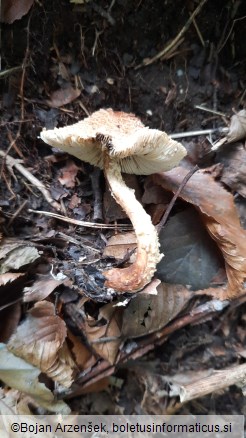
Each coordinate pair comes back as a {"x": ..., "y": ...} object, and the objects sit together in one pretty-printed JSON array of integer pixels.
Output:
[
  {"x": 237, "y": 130},
  {"x": 219, "y": 214},
  {"x": 12, "y": 10},
  {"x": 40, "y": 340},
  {"x": 16, "y": 253},
  {"x": 41, "y": 288}
]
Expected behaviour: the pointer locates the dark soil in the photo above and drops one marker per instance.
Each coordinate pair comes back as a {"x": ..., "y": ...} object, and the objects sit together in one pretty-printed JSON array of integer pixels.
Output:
[{"x": 99, "y": 50}]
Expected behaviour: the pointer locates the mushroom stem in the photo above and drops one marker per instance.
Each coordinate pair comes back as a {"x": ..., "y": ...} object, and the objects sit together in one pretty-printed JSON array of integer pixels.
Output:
[{"x": 136, "y": 276}]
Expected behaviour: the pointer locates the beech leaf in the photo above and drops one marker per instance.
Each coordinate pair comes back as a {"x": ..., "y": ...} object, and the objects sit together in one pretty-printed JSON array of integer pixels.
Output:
[
  {"x": 147, "y": 313},
  {"x": 40, "y": 340},
  {"x": 17, "y": 373},
  {"x": 41, "y": 288},
  {"x": 14, "y": 254}
]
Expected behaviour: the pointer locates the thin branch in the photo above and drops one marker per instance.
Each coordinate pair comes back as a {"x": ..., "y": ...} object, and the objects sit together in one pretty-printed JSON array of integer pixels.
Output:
[
  {"x": 10, "y": 71},
  {"x": 201, "y": 132},
  {"x": 209, "y": 110},
  {"x": 219, "y": 379},
  {"x": 171, "y": 204},
  {"x": 12, "y": 162}
]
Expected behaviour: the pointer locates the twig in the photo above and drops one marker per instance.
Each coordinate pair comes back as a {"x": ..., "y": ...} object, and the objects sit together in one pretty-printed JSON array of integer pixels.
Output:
[
  {"x": 219, "y": 379},
  {"x": 12, "y": 143},
  {"x": 196, "y": 133},
  {"x": 81, "y": 223},
  {"x": 9, "y": 71},
  {"x": 166, "y": 49},
  {"x": 103, "y": 13},
  {"x": 171, "y": 204},
  {"x": 209, "y": 110},
  {"x": 10, "y": 162},
  {"x": 198, "y": 31},
  {"x": 97, "y": 34},
  {"x": 14, "y": 122},
  {"x": 218, "y": 144},
  {"x": 222, "y": 44}
]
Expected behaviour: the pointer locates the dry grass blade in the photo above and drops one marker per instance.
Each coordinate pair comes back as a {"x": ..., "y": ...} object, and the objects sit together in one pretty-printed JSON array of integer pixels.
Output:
[{"x": 82, "y": 223}]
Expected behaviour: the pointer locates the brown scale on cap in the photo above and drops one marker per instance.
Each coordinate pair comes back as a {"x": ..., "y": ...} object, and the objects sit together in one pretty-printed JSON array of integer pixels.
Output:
[{"x": 118, "y": 142}]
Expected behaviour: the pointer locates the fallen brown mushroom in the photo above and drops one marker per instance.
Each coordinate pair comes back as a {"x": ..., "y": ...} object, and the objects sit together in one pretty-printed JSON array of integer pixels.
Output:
[{"x": 119, "y": 142}]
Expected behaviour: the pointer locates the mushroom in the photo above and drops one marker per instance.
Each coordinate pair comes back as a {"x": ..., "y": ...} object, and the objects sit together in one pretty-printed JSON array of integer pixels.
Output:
[{"x": 119, "y": 142}]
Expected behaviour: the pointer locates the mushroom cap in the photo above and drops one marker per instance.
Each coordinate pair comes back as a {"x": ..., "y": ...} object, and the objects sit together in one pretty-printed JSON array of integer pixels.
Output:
[{"x": 135, "y": 147}]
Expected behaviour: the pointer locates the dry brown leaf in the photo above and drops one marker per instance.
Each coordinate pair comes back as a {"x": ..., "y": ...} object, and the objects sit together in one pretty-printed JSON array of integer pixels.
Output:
[
  {"x": 14, "y": 9},
  {"x": 10, "y": 318},
  {"x": 237, "y": 130},
  {"x": 147, "y": 313},
  {"x": 106, "y": 331},
  {"x": 63, "y": 97},
  {"x": 8, "y": 277},
  {"x": 119, "y": 245},
  {"x": 98, "y": 386},
  {"x": 75, "y": 201},
  {"x": 153, "y": 194},
  {"x": 63, "y": 71},
  {"x": 233, "y": 159},
  {"x": 16, "y": 253},
  {"x": 19, "y": 374},
  {"x": 40, "y": 340},
  {"x": 219, "y": 215},
  {"x": 68, "y": 174},
  {"x": 41, "y": 288},
  {"x": 83, "y": 356}
]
